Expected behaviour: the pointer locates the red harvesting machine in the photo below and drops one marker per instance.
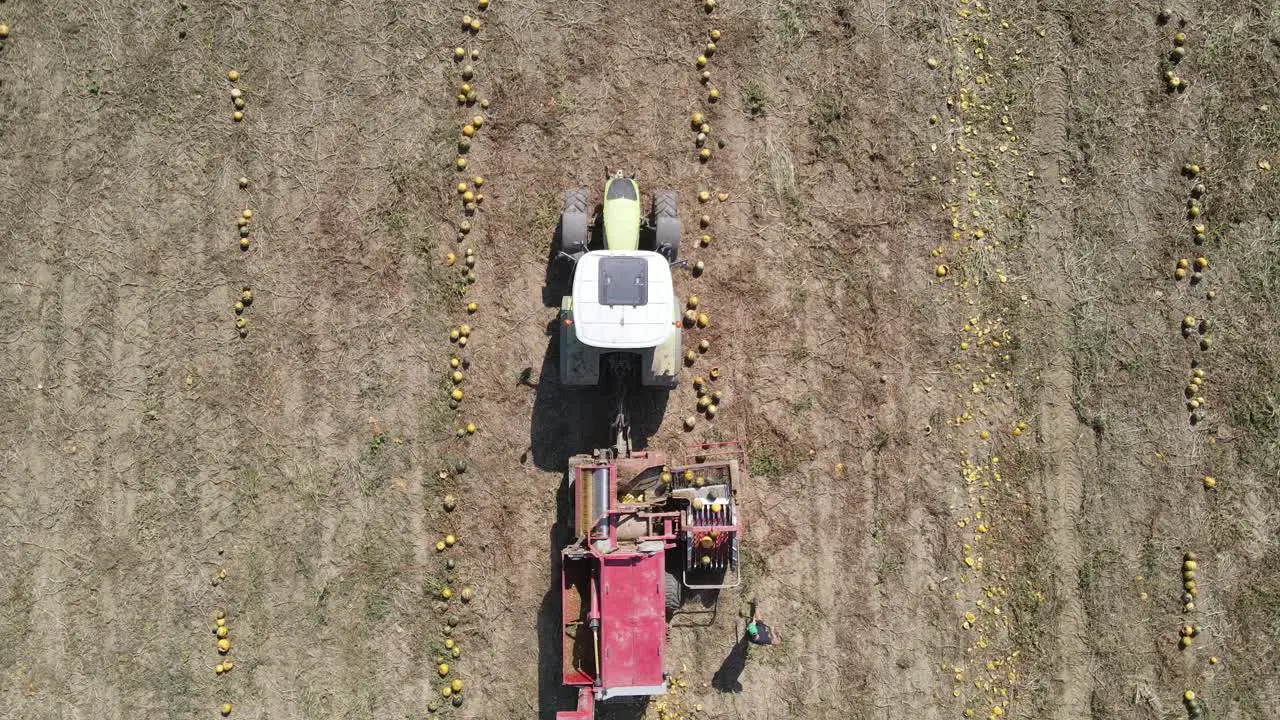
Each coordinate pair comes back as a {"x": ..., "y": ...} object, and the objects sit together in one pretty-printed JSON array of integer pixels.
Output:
[{"x": 645, "y": 531}]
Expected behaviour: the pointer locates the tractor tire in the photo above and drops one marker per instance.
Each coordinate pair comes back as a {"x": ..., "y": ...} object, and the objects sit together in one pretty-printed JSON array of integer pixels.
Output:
[
  {"x": 666, "y": 224},
  {"x": 673, "y": 591},
  {"x": 575, "y": 218}
]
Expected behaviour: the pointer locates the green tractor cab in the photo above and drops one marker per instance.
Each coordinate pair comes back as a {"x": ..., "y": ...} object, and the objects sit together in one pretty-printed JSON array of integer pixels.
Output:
[{"x": 623, "y": 300}]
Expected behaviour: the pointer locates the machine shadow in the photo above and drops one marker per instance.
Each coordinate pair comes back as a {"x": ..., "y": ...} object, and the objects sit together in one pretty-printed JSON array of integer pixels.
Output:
[
  {"x": 558, "y": 279},
  {"x": 700, "y": 609},
  {"x": 560, "y": 414},
  {"x": 552, "y": 695},
  {"x": 616, "y": 710},
  {"x": 559, "y": 272},
  {"x": 568, "y": 421}
]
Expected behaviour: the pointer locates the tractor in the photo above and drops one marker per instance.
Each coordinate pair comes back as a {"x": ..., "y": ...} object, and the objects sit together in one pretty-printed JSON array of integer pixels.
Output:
[
  {"x": 645, "y": 532},
  {"x": 622, "y": 307}
]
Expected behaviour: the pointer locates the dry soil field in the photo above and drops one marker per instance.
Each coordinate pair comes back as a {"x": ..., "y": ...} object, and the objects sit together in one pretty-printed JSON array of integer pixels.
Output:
[{"x": 942, "y": 291}]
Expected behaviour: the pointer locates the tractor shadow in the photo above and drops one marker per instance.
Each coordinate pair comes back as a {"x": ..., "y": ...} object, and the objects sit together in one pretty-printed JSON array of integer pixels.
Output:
[
  {"x": 552, "y": 429},
  {"x": 558, "y": 280},
  {"x": 552, "y": 695},
  {"x": 568, "y": 421}
]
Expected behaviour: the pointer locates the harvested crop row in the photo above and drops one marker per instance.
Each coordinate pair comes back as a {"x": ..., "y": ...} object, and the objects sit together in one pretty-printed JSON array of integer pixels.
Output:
[
  {"x": 244, "y": 220},
  {"x": 222, "y": 640},
  {"x": 450, "y": 593},
  {"x": 708, "y": 399},
  {"x": 241, "y": 307},
  {"x": 1198, "y": 327}
]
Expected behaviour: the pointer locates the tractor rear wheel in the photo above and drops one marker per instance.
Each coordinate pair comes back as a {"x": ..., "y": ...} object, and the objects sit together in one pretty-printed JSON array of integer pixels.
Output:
[
  {"x": 674, "y": 592},
  {"x": 575, "y": 216},
  {"x": 666, "y": 224}
]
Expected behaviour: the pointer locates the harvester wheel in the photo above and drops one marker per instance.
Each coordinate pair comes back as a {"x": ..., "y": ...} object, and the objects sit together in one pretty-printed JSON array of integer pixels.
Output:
[
  {"x": 666, "y": 224},
  {"x": 674, "y": 592},
  {"x": 575, "y": 216}
]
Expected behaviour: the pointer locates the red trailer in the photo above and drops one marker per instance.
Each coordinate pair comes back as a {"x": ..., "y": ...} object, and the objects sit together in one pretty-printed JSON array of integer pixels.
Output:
[{"x": 645, "y": 530}]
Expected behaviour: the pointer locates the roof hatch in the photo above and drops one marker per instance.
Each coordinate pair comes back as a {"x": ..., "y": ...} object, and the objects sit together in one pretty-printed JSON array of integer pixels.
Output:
[{"x": 624, "y": 281}]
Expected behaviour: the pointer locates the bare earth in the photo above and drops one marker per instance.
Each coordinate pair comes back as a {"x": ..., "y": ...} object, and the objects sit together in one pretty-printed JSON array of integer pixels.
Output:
[{"x": 972, "y": 485}]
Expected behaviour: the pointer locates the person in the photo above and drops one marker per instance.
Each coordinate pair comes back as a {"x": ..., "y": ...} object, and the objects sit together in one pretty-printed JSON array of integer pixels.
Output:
[
  {"x": 758, "y": 632},
  {"x": 728, "y": 677}
]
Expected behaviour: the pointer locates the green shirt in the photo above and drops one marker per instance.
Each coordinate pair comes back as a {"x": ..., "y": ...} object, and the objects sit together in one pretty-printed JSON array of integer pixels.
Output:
[{"x": 759, "y": 633}]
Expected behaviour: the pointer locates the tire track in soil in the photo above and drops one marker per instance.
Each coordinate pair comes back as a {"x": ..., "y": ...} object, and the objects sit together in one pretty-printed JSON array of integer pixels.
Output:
[
  {"x": 105, "y": 399},
  {"x": 1125, "y": 157},
  {"x": 1061, "y": 438}
]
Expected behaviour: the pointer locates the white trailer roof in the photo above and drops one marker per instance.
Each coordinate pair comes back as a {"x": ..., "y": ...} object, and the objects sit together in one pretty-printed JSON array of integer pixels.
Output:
[{"x": 623, "y": 299}]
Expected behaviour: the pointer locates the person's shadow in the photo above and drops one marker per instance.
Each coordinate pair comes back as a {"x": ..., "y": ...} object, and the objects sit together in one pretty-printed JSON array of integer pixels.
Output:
[{"x": 728, "y": 677}]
